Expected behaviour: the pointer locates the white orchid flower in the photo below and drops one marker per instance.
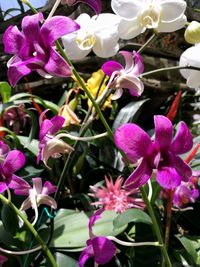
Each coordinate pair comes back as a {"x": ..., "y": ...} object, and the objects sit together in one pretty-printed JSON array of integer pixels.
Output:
[
  {"x": 99, "y": 33},
  {"x": 191, "y": 56},
  {"x": 139, "y": 15}
]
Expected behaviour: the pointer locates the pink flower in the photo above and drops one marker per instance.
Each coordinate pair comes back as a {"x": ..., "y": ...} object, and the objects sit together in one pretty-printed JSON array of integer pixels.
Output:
[
  {"x": 3, "y": 259},
  {"x": 114, "y": 197}
]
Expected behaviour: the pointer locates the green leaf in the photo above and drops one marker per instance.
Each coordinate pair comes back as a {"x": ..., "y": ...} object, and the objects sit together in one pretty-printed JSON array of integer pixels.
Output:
[
  {"x": 71, "y": 228},
  {"x": 31, "y": 146},
  {"x": 132, "y": 215},
  {"x": 14, "y": 136},
  {"x": 5, "y": 91},
  {"x": 188, "y": 244},
  {"x": 9, "y": 219},
  {"x": 129, "y": 113}
]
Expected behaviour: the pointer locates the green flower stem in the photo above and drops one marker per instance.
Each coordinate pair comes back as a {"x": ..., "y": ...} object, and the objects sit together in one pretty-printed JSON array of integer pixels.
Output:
[
  {"x": 31, "y": 228},
  {"x": 156, "y": 227},
  {"x": 169, "y": 69}
]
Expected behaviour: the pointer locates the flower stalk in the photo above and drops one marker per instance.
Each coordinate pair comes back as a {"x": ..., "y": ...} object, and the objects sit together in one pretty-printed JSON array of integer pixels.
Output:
[{"x": 32, "y": 230}]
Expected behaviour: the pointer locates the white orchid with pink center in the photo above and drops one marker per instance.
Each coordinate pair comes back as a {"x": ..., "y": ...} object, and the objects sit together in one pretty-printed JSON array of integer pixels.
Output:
[
  {"x": 125, "y": 77},
  {"x": 98, "y": 34},
  {"x": 139, "y": 15}
]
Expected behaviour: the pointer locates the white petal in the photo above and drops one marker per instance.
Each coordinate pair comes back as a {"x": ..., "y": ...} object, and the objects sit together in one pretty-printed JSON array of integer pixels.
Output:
[
  {"x": 83, "y": 20},
  {"x": 172, "y": 9},
  {"x": 193, "y": 80},
  {"x": 46, "y": 200},
  {"x": 172, "y": 26},
  {"x": 130, "y": 29},
  {"x": 72, "y": 49},
  {"x": 127, "y": 9},
  {"x": 105, "y": 21}
]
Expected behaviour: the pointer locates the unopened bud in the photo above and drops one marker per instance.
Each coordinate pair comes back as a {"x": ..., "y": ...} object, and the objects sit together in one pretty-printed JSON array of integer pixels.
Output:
[{"x": 192, "y": 33}]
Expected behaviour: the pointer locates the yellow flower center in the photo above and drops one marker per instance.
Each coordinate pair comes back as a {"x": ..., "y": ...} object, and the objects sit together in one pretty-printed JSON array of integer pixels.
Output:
[
  {"x": 85, "y": 40},
  {"x": 150, "y": 16}
]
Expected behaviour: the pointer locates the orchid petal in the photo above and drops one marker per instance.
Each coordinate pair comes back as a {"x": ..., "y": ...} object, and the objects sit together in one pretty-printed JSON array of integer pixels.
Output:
[
  {"x": 45, "y": 128},
  {"x": 139, "y": 176},
  {"x": 13, "y": 162},
  {"x": 163, "y": 132},
  {"x": 130, "y": 29},
  {"x": 182, "y": 142},
  {"x": 172, "y": 9},
  {"x": 111, "y": 66},
  {"x": 133, "y": 83},
  {"x": 48, "y": 188},
  {"x": 129, "y": 62},
  {"x": 13, "y": 40},
  {"x": 127, "y": 9},
  {"x": 133, "y": 141},
  {"x": 96, "y": 216},
  {"x": 46, "y": 200},
  {"x": 168, "y": 177},
  {"x": 57, "y": 66},
  {"x": 3, "y": 187},
  {"x": 37, "y": 185},
  {"x": 20, "y": 186},
  {"x": 117, "y": 94},
  {"x": 138, "y": 66},
  {"x": 104, "y": 249},
  {"x": 172, "y": 26},
  {"x": 30, "y": 27},
  {"x": 182, "y": 168},
  {"x": 193, "y": 80},
  {"x": 85, "y": 255},
  {"x": 56, "y": 27},
  {"x": 57, "y": 123},
  {"x": 27, "y": 204}
]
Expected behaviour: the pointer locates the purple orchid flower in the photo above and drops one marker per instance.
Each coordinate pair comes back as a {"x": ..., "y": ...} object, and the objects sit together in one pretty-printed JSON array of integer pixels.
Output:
[
  {"x": 94, "y": 4},
  {"x": 125, "y": 77},
  {"x": 4, "y": 149},
  {"x": 14, "y": 161},
  {"x": 162, "y": 154},
  {"x": 49, "y": 145},
  {"x": 37, "y": 195},
  {"x": 99, "y": 247},
  {"x": 33, "y": 47},
  {"x": 3, "y": 259}
]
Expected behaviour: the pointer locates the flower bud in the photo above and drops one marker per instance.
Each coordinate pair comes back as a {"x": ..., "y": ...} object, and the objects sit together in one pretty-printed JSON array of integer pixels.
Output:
[{"x": 192, "y": 33}]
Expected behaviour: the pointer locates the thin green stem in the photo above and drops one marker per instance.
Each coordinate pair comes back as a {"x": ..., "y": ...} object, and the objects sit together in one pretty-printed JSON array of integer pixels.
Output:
[
  {"x": 156, "y": 227},
  {"x": 169, "y": 69},
  {"x": 149, "y": 41},
  {"x": 30, "y": 6},
  {"x": 31, "y": 228}
]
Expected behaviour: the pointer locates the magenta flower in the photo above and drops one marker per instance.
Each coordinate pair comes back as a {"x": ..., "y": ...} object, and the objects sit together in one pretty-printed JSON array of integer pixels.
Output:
[
  {"x": 94, "y": 4},
  {"x": 114, "y": 197},
  {"x": 125, "y": 77},
  {"x": 33, "y": 47},
  {"x": 4, "y": 149},
  {"x": 50, "y": 145},
  {"x": 162, "y": 154},
  {"x": 99, "y": 247},
  {"x": 186, "y": 193},
  {"x": 14, "y": 161},
  {"x": 3, "y": 259}
]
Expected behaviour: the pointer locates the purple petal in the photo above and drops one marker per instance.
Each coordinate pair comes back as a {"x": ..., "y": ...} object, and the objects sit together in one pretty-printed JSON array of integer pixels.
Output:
[
  {"x": 13, "y": 40},
  {"x": 96, "y": 216},
  {"x": 104, "y": 249},
  {"x": 139, "y": 66},
  {"x": 168, "y": 177},
  {"x": 94, "y": 4},
  {"x": 111, "y": 66},
  {"x": 56, "y": 27},
  {"x": 57, "y": 66},
  {"x": 85, "y": 255},
  {"x": 182, "y": 142},
  {"x": 57, "y": 123},
  {"x": 31, "y": 28},
  {"x": 133, "y": 141},
  {"x": 20, "y": 186},
  {"x": 163, "y": 132},
  {"x": 48, "y": 188},
  {"x": 139, "y": 177},
  {"x": 45, "y": 128},
  {"x": 129, "y": 62},
  {"x": 3, "y": 187},
  {"x": 22, "y": 68},
  {"x": 182, "y": 168},
  {"x": 14, "y": 161}
]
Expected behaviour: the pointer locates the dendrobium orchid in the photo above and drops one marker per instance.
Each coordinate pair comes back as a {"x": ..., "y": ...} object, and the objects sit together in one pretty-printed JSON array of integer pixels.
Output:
[
  {"x": 99, "y": 247},
  {"x": 94, "y": 4},
  {"x": 162, "y": 154},
  {"x": 4, "y": 149},
  {"x": 98, "y": 34},
  {"x": 191, "y": 57},
  {"x": 13, "y": 161},
  {"x": 114, "y": 197},
  {"x": 50, "y": 145},
  {"x": 37, "y": 195},
  {"x": 139, "y": 15},
  {"x": 125, "y": 77},
  {"x": 33, "y": 47}
]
